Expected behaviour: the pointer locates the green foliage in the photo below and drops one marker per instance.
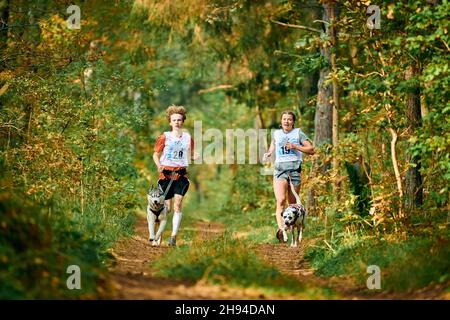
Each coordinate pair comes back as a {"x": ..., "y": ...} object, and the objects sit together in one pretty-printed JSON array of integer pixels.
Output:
[
  {"x": 67, "y": 145},
  {"x": 38, "y": 244},
  {"x": 249, "y": 211},
  {"x": 414, "y": 263}
]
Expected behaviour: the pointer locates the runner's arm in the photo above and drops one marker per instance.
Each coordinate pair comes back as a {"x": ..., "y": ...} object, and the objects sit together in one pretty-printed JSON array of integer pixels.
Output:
[
  {"x": 306, "y": 147},
  {"x": 270, "y": 151},
  {"x": 272, "y": 147},
  {"x": 305, "y": 144},
  {"x": 156, "y": 156},
  {"x": 159, "y": 147}
]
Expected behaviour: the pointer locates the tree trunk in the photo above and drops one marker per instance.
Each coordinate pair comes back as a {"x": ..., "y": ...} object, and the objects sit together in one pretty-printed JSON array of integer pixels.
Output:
[
  {"x": 323, "y": 119},
  {"x": 259, "y": 121},
  {"x": 335, "y": 121},
  {"x": 4, "y": 19},
  {"x": 413, "y": 178}
]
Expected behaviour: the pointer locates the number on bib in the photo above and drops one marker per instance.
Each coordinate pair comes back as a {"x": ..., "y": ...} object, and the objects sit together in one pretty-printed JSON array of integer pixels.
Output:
[
  {"x": 285, "y": 150},
  {"x": 178, "y": 154}
]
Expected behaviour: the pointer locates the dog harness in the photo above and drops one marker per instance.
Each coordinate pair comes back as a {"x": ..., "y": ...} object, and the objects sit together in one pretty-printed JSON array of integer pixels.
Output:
[{"x": 157, "y": 213}]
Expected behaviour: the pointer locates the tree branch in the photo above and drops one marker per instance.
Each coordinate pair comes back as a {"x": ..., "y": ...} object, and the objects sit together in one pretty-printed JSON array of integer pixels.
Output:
[
  {"x": 396, "y": 169},
  {"x": 219, "y": 87},
  {"x": 296, "y": 26}
]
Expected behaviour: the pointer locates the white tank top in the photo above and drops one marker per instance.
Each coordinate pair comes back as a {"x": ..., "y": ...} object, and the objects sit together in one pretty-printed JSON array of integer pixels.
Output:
[
  {"x": 176, "y": 150},
  {"x": 281, "y": 138}
]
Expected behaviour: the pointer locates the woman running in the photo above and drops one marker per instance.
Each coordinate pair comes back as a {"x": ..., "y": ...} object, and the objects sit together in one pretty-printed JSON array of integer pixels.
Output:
[{"x": 289, "y": 143}]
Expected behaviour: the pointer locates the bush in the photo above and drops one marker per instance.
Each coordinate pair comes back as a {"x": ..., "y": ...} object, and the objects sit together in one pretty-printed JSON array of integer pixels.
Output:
[{"x": 38, "y": 243}]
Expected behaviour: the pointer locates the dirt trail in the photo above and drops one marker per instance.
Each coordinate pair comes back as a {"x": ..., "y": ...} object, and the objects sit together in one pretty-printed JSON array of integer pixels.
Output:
[
  {"x": 281, "y": 257},
  {"x": 132, "y": 277}
]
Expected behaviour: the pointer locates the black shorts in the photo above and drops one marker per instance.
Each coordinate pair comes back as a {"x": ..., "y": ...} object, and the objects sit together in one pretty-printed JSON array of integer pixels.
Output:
[{"x": 179, "y": 186}]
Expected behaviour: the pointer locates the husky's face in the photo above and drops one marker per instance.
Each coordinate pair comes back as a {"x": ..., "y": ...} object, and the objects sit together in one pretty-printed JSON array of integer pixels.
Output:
[
  {"x": 289, "y": 215},
  {"x": 155, "y": 196}
]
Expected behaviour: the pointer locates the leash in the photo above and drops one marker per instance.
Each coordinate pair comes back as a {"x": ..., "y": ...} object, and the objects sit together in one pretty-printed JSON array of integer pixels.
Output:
[
  {"x": 297, "y": 198},
  {"x": 170, "y": 184},
  {"x": 164, "y": 196},
  {"x": 299, "y": 170}
]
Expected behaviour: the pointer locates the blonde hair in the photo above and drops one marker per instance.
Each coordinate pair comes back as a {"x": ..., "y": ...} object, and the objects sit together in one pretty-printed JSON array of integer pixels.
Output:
[{"x": 173, "y": 109}]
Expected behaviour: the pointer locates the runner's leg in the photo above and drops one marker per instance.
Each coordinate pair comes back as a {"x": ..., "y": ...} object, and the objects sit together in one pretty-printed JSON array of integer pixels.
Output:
[
  {"x": 177, "y": 215},
  {"x": 279, "y": 188}
]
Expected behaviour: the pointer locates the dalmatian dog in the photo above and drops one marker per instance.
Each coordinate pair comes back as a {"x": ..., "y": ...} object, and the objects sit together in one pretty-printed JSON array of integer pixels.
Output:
[
  {"x": 294, "y": 217},
  {"x": 156, "y": 214}
]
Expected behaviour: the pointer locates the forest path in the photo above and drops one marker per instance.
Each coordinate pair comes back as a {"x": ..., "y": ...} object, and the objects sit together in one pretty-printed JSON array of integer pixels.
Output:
[
  {"x": 281, "y": 256},
  {"x": 133, "y": 277}
]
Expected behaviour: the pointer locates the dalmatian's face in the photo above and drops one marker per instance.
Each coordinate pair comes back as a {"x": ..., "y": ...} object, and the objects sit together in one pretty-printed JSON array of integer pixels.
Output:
[
  {"x": 155, "y": 196},
  {"x": 289, "y": 215}
]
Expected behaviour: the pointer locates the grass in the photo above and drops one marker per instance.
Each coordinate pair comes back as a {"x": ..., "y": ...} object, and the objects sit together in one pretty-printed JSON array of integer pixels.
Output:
[
  {"x": 35, "y": 252},
  {"x": 38, "y": 243},
  {"x": 257, "y": 226},
  {"x": 103, "y": 223},
  {"x": 405, "y": 264},
  {"x": 230, "y": 261}
]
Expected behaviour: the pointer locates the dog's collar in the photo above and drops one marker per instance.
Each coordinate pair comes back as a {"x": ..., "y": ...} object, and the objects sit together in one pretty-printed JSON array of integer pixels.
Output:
[
  {"x": 157, "y": 213},
  {"x": 296, "y": 206}
]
